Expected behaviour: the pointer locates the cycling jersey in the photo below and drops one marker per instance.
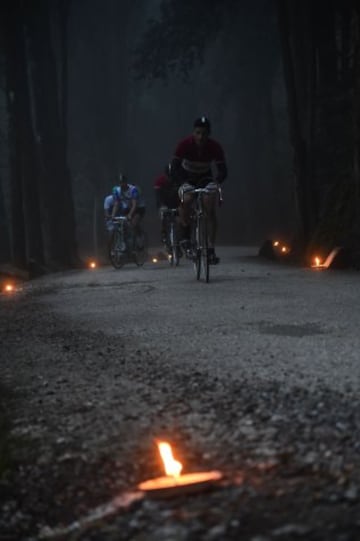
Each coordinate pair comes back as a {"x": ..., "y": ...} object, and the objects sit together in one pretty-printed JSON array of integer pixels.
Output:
[
  {"x": 126, "y": 196},
  {"x": 196, "y": 161},
  {"x": 165, "y": 192},
  {"x": 108, "y": 204}
]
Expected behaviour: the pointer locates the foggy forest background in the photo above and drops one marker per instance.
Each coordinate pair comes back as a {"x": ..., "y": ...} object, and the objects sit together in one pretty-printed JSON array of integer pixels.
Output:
[{"x": 89, "y": 89}]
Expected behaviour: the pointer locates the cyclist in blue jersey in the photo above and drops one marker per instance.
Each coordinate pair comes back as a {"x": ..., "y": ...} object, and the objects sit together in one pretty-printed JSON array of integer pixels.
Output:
[{"x": 128, "y": 201}]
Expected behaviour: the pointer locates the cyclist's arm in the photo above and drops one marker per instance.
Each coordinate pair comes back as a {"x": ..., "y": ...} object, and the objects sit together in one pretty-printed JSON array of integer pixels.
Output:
[
  {"x": 221, "y": 172},
  {"x": 178, "y": 174},
  {"x": 132, "y": 208},
  {"x": 108, "y": 204},
  {"x": 115, "y": 209},
  {"x": 220, "y": 163}
]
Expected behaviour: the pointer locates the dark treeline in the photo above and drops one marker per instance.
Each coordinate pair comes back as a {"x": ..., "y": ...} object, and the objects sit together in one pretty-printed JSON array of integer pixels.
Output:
[
  {"x": 320, "y": 46},
  {"x": 91, "y": 90},
  {"x": 41, "y": 225}
]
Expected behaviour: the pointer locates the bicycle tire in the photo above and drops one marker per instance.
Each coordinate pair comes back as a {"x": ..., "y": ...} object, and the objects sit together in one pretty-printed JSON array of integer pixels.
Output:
[
  {"x": 116, "y": 257},
  {"x": 205, "y": 251},
  {"x": 197, "y": 248}
]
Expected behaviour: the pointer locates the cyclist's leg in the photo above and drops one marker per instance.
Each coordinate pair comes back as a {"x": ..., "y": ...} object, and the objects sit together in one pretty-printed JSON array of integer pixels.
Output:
[{"x": 136, "y": 224}]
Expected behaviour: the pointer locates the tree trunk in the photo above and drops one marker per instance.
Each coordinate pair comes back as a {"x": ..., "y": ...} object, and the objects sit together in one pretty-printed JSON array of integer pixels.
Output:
[
  {"x": 26, "y": 239},
  {"x": 57, "y": 201}
]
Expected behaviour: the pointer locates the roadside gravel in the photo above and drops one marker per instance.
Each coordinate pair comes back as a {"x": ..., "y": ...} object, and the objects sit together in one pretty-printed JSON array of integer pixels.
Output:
[{"x": 95, "y": 373}]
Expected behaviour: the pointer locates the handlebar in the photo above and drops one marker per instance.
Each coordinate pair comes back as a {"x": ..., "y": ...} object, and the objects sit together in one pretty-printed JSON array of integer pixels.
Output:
[
  {"x": 204, "y": 190},
  {"x": 119, "y": 219}
]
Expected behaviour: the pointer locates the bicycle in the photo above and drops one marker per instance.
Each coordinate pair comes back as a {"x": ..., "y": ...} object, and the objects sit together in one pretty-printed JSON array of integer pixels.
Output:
[
  {"x": 199, "y": 252},
  {"x": 126, "y": 244},
  {"x": 172, "y": 240}
]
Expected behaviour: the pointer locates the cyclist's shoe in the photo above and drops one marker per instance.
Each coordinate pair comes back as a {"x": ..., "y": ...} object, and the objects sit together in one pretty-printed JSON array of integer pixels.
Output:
[{"x": 213, "y": 259}]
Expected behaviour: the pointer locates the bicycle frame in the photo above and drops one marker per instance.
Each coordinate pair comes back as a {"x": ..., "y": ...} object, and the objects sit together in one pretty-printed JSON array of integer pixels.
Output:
[
  {"x": 124, "y": 245},
  {"x": 199, "y": 231}
]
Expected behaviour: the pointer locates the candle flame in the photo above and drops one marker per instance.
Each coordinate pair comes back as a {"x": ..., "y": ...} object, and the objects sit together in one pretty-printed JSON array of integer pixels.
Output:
[
  {"x": 172, "y": 466},
  {"x": 317, "y": 261},
  {"x": 276, "y": 243},
  {"x": 284, "y": 249},
  {"x": 92, "y": 265},
  {"x": 9, "y": 287}
]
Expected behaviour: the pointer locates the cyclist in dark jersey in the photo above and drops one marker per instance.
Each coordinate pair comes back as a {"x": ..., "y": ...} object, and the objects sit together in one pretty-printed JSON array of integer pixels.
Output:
[
  {"x": 199, "y": 162},
  {"x": 166, "y": 197}
]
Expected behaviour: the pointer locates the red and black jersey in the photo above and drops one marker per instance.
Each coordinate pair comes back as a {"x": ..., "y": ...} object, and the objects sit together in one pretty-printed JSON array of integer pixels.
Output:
[
  {"x": 196, "y": 161},
  {"x": 165, "y": 192}
]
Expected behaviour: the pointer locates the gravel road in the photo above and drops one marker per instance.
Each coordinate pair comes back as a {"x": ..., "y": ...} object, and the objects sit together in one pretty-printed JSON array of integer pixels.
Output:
[{"x": 255, "y": 374}]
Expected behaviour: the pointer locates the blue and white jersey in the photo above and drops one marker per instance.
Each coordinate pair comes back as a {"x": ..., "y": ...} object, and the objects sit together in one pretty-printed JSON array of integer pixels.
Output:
[
  {"x": 109, "y": 203},
  {"x": 126, "y": 196}
]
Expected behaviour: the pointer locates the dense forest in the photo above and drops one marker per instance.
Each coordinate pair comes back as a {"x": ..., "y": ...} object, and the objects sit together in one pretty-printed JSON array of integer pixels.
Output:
[{"x": 90, "y": 89}]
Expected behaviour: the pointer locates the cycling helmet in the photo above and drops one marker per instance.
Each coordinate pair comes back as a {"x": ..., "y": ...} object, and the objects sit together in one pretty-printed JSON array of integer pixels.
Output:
[
  {"x": 203, "y": 122},
  {"x": 116, "y": 192},
  {"x": 122, "y": 178}
]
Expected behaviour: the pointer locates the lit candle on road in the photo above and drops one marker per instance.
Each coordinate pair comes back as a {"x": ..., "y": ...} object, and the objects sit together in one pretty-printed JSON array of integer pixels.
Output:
[{"x": 175, "y": 483}]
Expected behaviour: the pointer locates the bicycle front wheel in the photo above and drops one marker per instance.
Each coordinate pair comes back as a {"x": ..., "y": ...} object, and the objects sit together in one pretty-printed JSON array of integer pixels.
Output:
[
  {"x": 116, "y": 256},
  {"x": 205, "y": 250},
  {"x": 197, "y": 248}
]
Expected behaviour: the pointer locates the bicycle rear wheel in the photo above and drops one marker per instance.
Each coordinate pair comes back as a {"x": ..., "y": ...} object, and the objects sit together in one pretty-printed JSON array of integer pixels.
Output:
[{"x": 116, "y": 256}]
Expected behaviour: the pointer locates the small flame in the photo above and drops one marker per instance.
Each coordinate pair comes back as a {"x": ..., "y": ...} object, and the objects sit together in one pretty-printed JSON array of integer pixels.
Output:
[
  {"x": 172, "y": 466},
  {"x": 276, "y": 243},
  {"x": 284, "y": 249},
  {"x": 9, "y": 288},
  {"x": 92, "y": 265},
  {"x": 154, "y": 260},
  {"x": 317, "y": 261}
]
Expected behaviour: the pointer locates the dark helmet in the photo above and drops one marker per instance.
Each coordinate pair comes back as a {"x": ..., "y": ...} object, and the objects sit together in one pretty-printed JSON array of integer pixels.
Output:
[
  {"x": 122, "y": 178},
  {"x": 203, "y": 122}
]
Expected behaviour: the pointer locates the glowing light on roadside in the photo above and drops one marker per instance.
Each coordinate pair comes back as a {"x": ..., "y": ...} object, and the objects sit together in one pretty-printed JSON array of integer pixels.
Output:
[
  {"x": 284, "y": 249},
  {"x": 9, "y": 288},
  {"x": 317, "y": 261},
  {"x": 92, "y": 265},
  {"x": 154, "y": 260},
  {"x": 172, "y": 467},
  {"x": 276, "y": 243}
]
